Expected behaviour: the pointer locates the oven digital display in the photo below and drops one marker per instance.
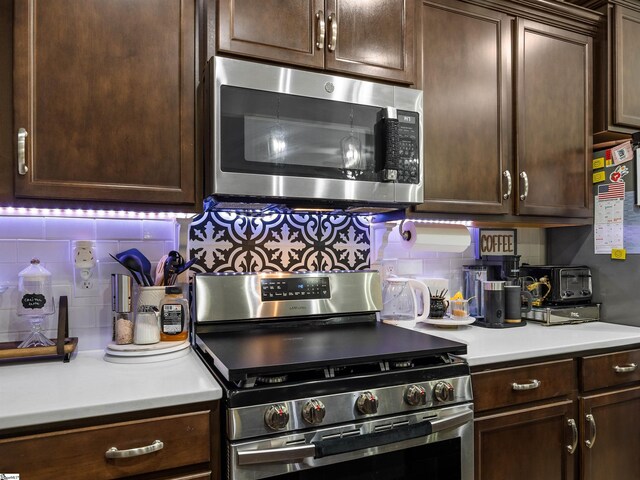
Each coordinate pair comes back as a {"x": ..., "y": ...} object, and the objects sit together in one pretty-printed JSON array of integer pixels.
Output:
[{"x": 273, "y": 289}]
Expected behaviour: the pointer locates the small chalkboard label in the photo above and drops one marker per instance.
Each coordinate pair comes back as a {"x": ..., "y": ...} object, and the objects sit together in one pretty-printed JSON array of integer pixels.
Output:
[{"x": 34, "y": 300}]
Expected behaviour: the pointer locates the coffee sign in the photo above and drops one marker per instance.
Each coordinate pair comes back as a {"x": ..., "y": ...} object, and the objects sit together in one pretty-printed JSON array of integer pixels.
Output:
[{"x": 497, "y": 242}]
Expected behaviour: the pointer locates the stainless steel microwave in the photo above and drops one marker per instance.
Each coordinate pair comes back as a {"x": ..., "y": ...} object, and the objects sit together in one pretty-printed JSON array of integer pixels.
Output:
[{"x": 290, "y": 138}]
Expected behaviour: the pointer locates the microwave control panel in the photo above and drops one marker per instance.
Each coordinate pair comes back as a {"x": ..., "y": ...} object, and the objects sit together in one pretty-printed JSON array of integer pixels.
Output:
[
  {"x": 400, "y": 147},
  {"x": 274, "y": 289}
]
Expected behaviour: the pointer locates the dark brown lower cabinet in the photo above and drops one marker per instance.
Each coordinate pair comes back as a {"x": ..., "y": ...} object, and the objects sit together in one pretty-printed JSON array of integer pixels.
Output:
[
  {"x": 610, "y": 435},
  {"x": 532, "y": 443}
]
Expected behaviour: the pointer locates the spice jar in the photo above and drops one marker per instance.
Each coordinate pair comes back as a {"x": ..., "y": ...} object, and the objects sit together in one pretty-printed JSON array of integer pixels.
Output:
[
  {"x": 147, "y": 325},
  {"x": 121, "y": 286}
]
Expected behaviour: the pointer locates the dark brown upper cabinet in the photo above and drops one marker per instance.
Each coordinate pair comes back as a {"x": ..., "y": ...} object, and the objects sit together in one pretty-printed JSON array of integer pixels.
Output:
[
  {"x": 553, "y": 121},
  {"x": 507, "y": 114},
  {"x": 372, "y": 39},
  {"x": 466, "y": 77},
  {"x": 616, "y": 105},
  {"x": 105, "y": 93}
]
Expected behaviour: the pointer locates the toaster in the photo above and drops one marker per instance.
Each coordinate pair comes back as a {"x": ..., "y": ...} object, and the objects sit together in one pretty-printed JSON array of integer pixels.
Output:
[{"x": 567, "y": 284}]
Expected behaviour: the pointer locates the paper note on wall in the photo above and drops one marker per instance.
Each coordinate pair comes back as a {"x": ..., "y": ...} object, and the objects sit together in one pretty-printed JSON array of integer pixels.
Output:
[{"x": 608, "y": 226}]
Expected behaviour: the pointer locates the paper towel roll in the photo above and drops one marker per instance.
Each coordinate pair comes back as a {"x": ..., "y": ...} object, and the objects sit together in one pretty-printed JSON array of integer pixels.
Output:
[{"x": 430, "y": 237}]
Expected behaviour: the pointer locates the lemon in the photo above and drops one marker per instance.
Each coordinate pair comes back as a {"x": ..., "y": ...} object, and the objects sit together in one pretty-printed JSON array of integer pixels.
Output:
[{"x": 458, "y": 296}]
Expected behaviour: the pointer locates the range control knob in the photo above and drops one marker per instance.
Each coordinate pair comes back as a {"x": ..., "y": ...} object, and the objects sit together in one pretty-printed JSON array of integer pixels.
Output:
[
  {"x": 415, "y": 395},
  {"x": 443, "y": 391},
  {"x": 313, "y": 412},
  {"x": 367, "y": 403},
  {"x": 276, "y": 417}
]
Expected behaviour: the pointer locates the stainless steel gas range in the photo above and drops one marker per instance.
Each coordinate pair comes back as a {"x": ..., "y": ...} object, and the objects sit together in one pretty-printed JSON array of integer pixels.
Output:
[{"x": 316, "y": 387}]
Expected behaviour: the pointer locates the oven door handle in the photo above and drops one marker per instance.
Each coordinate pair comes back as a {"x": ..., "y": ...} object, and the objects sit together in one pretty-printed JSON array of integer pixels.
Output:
[
  {"x": 325, "y": 448},
  {"x": 284, "y": 454}
]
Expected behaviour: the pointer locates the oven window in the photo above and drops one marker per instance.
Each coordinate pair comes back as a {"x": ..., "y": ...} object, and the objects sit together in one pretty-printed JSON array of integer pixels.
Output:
[
  {"x": 281, "y": 134},
  {"x": 439, "y": 460}
]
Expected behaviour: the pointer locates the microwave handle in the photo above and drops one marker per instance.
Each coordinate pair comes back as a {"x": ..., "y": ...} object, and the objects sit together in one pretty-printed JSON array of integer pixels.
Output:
[{"x": 389, "y": 139}]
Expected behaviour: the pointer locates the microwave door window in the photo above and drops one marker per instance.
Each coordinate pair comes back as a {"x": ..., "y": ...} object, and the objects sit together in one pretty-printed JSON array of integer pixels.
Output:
[{"x": 287, "y": 135}]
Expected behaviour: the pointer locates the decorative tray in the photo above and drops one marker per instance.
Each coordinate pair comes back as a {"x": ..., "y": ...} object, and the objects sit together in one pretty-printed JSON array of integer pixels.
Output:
[{"x": 64, "y": 345}]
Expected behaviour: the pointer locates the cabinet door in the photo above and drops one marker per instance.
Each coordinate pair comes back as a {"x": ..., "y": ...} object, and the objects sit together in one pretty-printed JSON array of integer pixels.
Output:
[
  {"x": 553, "y": 121},
  {"x": 614, "y": 450},
  {"x": 525, "y": 444},
  {"x": 106, "y": 93},
  {"x": 281, "y": 30},
  {"x": 373, "y": 38},
  {"x": 465, "y": 74},
  {"x": 626, "y": 67}
]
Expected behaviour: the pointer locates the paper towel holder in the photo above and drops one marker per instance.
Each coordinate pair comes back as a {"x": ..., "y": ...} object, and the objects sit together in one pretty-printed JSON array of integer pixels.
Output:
[{"x": 405, "y": 234}]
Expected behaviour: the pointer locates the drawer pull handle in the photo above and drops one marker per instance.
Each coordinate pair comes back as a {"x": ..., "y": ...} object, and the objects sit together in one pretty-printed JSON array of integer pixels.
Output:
[
  {"x": 574, "y": 436},
  {"x": 592, "y": 422},
  {"x": 625, "y": 368},
  {"x": 113, "y": 452},
  {"x": 532, "y": 385},
  {"x": 333, "y": 27}
]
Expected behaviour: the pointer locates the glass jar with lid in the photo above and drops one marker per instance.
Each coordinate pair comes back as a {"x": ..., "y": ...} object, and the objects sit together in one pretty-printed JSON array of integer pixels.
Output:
[{"x": 35, "y": 302}]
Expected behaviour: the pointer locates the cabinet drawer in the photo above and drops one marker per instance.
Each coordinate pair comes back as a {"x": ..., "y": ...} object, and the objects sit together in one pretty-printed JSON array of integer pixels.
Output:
[
  {"x": 512, "y": 386},
  {"x": 80, "y": 453},
  {"x": 609, "y": 369}
]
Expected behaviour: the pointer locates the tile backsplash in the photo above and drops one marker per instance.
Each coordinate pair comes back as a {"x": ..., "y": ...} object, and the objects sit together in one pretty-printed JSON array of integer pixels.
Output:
[
  {"x": 52, "y": 240},
  {"x": 229, "y": 242},
  {"x": 221, "y": 242}
]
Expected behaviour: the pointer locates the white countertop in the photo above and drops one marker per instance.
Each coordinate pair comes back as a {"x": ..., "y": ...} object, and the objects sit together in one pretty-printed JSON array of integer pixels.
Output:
[
  {"x": 39, "y": 392},
  {"x": 488, "y": 345}
]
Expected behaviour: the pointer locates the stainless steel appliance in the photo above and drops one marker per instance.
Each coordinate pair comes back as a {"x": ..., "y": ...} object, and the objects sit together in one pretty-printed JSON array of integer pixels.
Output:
[
  {"x": 314, "y": 386},
  {"x": 561, "y": 315},
  {"x": 282, "y": 138},
  {"x": 569, "y": 284}
]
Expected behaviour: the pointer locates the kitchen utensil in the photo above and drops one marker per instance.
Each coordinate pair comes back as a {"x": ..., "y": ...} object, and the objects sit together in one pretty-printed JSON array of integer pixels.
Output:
[
  {"x": 159, "y": 279},
  {"x": 135, "y": 275},
  {"x": 145, "y": 264},
  {"x": 134, "y": 264},
  {"x": 121, "y": 293},
  {"x": 514, "y": 297},
  {"x": 399, "y": 301}
]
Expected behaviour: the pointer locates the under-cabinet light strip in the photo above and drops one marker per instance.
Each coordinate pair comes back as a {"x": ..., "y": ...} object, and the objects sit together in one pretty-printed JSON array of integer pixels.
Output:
[
  {"x": 466, "y": 223},
  {"x": 90, "y": 213}
]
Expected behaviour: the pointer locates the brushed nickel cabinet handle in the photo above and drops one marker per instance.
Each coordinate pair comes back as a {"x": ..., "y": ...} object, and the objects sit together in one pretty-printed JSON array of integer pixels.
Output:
[
  {"x": 507, "y": 174},
  {"x": 532, "y": 385},
  {"x": 113, "y": 452},
  {"x": 625, "y": 368},
  {"x": 321, "y": 30},
  {"x": 574, "y": 436},
  {"x": 333, "y": 26},
  {"x": 525, "y": 177},
  {"x": 22, "y": 151},
  {"x": 592, "y": 422}
]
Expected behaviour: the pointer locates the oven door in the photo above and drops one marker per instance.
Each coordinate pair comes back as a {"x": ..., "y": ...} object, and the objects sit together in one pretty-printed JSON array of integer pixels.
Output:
[
  {"x": 435, "y": 443},
  {"x": 284, "y": 133}
]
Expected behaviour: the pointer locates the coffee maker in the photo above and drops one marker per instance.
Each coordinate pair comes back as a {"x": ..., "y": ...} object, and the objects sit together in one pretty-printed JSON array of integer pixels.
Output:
[
  {"x": 502, "y": 268},
  {"x": 490, "y": 269}
]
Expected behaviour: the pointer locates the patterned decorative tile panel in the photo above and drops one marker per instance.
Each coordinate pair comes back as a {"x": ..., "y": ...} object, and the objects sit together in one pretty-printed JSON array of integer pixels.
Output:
[{"x": 230, "y": 242}]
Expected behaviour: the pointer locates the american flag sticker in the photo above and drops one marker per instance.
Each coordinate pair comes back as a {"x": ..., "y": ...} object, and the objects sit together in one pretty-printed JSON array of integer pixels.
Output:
[{"x": 611, "y": 191}]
